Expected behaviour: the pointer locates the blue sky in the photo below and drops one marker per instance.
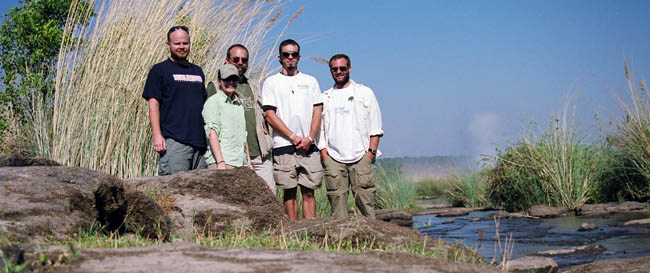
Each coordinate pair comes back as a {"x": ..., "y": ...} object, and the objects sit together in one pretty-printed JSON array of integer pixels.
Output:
[{"x": 464, "y": 77}]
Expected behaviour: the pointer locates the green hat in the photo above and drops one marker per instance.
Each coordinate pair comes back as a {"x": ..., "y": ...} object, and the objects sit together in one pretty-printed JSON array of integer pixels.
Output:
[{"x": 227, "y": 71}]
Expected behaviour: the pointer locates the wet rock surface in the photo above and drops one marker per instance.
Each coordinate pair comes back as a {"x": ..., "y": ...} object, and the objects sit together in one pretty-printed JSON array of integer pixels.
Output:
[
  {"x": 531, "y": 264},
  {"x": 544, "y": 211},
  {"x": 395, "y": 216},
  {"x": 639, "y": 222},
  {"x": 588, "y": 249},
  {"x": 448, "y": 212},
  {"x": 183, "y": 257},
  {"x": 587, "y": 227},
  {"x": 534, "y": 235},
  {"x": 612, "y": 207}
]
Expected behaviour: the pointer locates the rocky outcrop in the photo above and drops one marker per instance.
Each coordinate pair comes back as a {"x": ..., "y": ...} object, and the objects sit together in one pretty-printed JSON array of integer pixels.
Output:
[
  {"x": 54, "y": 203},
  {"x": 532, "y": 264},
  {"x": 398, "y": 217},
  {"x": 210, "y": 201},
  {"x": 48, "y": 202},
  {"x": 612, "y": 207},
  {"x": 544, "y": 211}
]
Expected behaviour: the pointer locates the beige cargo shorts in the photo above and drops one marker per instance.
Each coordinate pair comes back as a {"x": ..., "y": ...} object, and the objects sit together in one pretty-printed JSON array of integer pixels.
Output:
[{"x": 292, "y": 168}]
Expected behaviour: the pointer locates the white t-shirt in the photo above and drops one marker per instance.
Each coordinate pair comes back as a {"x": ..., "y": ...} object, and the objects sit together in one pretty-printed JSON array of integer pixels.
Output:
[
  {"x": 294, "y": 98},
  {"x": 344, "y": 139}
]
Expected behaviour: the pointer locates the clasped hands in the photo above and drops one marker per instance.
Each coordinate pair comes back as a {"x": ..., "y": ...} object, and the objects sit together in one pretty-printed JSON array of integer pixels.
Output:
[{"x": 302, "y": 143}]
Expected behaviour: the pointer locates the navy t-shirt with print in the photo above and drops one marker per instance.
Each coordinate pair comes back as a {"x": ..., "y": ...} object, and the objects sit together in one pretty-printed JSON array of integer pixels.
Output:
[{"x": 180, "y": 92}]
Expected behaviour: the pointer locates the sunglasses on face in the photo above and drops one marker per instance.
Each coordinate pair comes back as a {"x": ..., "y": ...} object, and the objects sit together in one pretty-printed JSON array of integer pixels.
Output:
[
  {"x": 342, "y": 68},
  {"x": 292, "y": 54},
  {"x": 237, "y": 59}
]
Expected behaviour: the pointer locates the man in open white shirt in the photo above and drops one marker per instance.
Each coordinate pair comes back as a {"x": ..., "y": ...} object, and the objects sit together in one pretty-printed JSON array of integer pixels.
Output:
[
  {"x": 291, "y": 102},
  {"x": 349, "y": 137}
]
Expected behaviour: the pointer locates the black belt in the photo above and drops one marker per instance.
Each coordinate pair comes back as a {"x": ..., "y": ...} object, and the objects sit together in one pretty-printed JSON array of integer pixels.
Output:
[{"x": 292, "y": 150}]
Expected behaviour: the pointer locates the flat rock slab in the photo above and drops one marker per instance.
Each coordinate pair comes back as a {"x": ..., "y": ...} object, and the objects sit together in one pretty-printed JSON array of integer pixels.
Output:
[
  {"x": 612, "y": 207},
  {"x": 395, "y": 216},
  {"x": 532, "y": 264},
  {"x": 641, "y": 264},
  {"x": 447, "y": 212},
  {"x": 573, "y": 250},
  {"x": 544, "y": 211},
  {"x": 639, "y": 222},
  {"x": 184, "y": 257}
]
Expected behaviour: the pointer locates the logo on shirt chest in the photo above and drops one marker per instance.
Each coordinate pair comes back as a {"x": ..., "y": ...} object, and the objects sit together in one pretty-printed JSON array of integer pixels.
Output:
[{"x": 187, "y": 78}]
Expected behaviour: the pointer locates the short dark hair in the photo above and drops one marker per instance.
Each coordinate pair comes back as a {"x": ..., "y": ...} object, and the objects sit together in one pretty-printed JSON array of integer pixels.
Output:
[
  {"x": 233, "y": 46},
  {"x": 340, "y": 56},
  {"x": 288, "y": 42},
  {"x": 175, "y": 28}
]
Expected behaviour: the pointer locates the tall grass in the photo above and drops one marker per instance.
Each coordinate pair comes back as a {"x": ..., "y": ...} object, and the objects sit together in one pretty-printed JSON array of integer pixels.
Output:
[
  {"x": 632, "y": 137},
  {"x": 469, "y": 190},
  {"x": 555, "y": 168},
  {"x": 100, "y": 120},
  {"x": 394, "y": 190}
]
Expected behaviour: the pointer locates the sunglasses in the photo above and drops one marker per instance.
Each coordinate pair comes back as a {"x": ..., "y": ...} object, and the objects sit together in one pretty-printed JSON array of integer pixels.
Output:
[
  {"x": 294, "y": 54},
  {"x": 237, "y": 59},
  {"x": 342, "y": 68}
]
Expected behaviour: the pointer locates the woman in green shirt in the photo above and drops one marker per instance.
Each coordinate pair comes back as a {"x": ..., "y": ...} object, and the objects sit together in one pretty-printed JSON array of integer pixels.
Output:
[{"x": 225, "y": 125}]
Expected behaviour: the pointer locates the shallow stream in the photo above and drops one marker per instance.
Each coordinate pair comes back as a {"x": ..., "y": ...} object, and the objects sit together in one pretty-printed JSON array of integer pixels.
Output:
[{"x": 535, "y": 235}]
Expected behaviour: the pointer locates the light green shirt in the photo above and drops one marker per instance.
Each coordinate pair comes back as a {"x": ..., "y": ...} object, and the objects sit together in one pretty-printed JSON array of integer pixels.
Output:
[{"x": 225, "y": 116}]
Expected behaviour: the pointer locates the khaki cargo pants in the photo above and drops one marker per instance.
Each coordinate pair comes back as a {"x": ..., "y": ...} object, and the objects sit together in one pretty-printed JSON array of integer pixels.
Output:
[{"x": 359, "y": 176}]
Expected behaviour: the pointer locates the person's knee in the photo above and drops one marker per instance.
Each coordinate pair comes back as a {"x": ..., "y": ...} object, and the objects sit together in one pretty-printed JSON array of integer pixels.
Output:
[
  {"x": 306, "y": 193},
  {"x": 289, "y": 194}
]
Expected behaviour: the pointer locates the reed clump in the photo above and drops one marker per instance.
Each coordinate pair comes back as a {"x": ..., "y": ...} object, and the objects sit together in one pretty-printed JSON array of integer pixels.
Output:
[
  {"x": 555, "y": 168},
  {"x": 632, "y": 140},
  {"x": 100, "y": 120}
]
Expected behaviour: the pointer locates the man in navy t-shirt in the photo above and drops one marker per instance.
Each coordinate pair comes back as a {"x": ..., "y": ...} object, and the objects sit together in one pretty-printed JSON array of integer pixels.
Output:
[{"x": 175, "y": 93}]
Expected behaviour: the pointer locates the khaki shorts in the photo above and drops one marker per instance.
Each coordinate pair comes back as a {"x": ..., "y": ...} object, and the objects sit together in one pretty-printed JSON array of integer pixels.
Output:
[{"x": 291, "y": 169}]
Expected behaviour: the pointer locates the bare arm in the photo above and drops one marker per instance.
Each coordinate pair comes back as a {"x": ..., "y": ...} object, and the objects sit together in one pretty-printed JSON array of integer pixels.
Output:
[
  {"x": 374, "y": 143},
  {"x": 215, "y": 146},
  {"x": 314, "y": 126},
  {"x": 154, "y": 119},
  {"x": 279, "y": 126}
]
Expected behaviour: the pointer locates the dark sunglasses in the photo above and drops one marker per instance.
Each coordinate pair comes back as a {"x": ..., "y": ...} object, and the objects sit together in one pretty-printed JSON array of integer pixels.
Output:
[
  {"x": 292, "y": 54},
  {"x": 237, "y": 59},
  {"x": 342, "y": 68}
]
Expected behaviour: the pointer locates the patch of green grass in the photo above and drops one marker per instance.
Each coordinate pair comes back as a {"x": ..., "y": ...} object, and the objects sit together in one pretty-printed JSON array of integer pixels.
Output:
[
  {"x": 434, "y": 186},
  {"x": 470, "y": 190},
  {"x": 278, "y": 239},
  {"x": 394, "y": 190}
]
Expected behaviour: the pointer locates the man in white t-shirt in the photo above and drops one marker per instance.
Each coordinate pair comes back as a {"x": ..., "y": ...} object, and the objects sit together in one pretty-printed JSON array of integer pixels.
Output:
[
  {"x": 349, "y": 137},
  {"x": 291, "y": 102}
]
